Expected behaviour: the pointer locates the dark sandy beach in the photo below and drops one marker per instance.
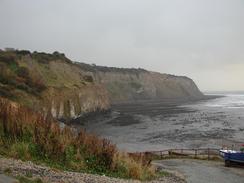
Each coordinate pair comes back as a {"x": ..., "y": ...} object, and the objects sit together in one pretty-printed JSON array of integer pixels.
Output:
[{"x": 157, "y": 125}]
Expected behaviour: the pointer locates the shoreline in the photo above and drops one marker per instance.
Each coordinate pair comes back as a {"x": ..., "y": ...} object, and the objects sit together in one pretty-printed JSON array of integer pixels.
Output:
[
  {"x": 164, "y": 102},
  {"x": 157, "y": 125},
  {"x": 122, "y": 117}
]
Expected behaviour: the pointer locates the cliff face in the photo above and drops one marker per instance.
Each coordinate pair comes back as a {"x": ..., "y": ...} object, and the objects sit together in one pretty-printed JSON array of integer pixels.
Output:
[
  {"x": 138, "y": 84},
  {"x": 51, "y": 83}
]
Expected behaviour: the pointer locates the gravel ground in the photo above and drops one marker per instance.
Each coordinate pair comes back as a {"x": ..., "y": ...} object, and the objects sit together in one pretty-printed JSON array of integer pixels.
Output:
[{"x": 47, "y": 174}]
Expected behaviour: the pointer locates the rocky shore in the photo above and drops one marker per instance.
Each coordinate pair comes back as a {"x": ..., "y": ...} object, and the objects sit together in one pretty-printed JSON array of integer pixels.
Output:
[{"x": 19, "y": 168}]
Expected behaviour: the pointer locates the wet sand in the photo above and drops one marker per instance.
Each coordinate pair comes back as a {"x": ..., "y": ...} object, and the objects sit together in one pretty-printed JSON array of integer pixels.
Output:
[{"x": 157, "y": 125}]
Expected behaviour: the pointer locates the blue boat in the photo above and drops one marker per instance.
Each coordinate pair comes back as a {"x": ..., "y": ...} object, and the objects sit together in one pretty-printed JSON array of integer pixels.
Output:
[{"x": 232, "y": 157}]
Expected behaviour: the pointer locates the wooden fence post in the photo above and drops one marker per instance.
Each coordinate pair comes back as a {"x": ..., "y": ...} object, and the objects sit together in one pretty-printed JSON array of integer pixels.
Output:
[{"x": 208, "y": 153}]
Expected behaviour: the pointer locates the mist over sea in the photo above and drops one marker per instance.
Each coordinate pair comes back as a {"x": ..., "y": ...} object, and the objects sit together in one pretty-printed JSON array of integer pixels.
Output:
[{"x": 157, "y": 125}]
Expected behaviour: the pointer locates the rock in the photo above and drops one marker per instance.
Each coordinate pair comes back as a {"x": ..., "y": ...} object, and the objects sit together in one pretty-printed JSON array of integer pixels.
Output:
[
  {"x": 52, "y": 84},
  {"x": 125, "y": 85}
]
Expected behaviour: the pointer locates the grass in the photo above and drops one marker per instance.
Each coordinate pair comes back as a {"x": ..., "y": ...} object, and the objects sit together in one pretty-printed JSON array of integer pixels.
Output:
[
  {"x": 164, "y": 174},
  {"x": 31, "y": 136},
  {"x": 13, "y": 75},
  {"x": 7, "y": 171},
  {"x": 23, "y": 179}
]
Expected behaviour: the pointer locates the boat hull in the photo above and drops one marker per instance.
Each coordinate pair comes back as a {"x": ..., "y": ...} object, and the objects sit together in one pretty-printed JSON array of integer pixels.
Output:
[{"x": 231, "y": 157}]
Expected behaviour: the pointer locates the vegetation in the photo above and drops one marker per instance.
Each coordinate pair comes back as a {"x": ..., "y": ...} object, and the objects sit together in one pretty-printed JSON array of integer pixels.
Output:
[
  {"x": 12, "y": 75},
  {"x": 45, "y": 58},
  {"x": 135, "y": 85},
  {"x": 30, "y": 136},
  {"x": 23, "y": 179},
  {"x": 88, "y": 78},
  {"x": 94, "y": 68},
  {"x": 33, "y": 72},
  {"x": 44, "y": 81}
]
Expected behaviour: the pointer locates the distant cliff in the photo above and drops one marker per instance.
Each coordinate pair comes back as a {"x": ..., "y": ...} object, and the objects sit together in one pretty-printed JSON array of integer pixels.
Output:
[
  {"x": 139, "y": 84},
  {"x": 53, "y": 84}
]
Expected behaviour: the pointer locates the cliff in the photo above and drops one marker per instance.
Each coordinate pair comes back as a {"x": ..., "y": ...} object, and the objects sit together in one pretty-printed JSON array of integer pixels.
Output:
[
  {"x": 139, "y": 84},
  {"x": 51, "y": 83}
]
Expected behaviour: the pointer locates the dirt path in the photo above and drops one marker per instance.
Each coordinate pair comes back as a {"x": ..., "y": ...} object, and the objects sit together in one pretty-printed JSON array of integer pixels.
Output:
[
  {"x": 197, "y": 171},
  {"x": 17, "y": 167}
]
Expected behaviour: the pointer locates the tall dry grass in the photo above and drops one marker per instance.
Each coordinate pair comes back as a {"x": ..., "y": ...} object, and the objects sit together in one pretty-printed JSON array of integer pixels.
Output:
[{"x": 33, "y": 136}]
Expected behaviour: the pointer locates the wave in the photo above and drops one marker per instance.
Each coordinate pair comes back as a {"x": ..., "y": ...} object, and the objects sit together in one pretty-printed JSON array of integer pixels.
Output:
[{"x": 230, "y": 101}]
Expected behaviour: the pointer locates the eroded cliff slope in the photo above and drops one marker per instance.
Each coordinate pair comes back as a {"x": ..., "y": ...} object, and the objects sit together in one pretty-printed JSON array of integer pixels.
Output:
[
  {"x": 52, "y": 83},
  {"x": 139, "y": 84}
]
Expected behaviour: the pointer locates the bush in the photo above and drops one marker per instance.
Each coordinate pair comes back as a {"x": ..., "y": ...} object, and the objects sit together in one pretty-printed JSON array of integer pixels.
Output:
[
  {"x": 23, "y": 52},
  {"x": 35, "y": 84},
  {"x": 23, "y": 72},
  {"x": 88, "y": 78},
  {"x": 5, "y": 92},
  {"x": 57, "y": 55},
  {"x": 135, "y": 85},
  {"x": 20, "y": 77},
  {"x": 7, "y": 57},
  {"x": 20, "y": 150},
  {"x": 45, "y": 58},
  {"x": 128, "y": 167},
  {"x": 33, "y": 136}
]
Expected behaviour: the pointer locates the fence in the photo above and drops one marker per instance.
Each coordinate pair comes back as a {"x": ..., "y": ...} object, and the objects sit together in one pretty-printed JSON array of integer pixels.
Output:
[{"x": 202, "y": 153}]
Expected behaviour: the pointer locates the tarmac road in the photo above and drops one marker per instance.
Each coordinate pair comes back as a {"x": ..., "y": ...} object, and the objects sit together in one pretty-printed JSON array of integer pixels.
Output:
[
  {"x": 198, "y": 171},
  {"x": 6, "y": 179}
]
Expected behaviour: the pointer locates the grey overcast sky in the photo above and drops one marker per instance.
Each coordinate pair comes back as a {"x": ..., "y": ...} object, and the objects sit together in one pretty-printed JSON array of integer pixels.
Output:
[{"x": 202, "y": 39}]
